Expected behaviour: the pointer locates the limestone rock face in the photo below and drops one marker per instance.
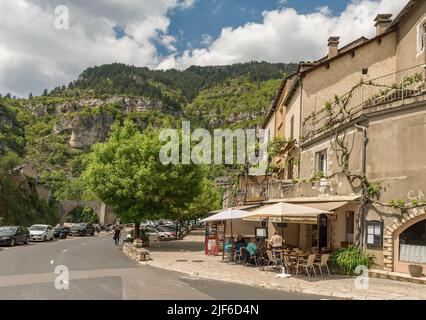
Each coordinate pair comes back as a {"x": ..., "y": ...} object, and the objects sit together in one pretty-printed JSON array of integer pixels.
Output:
[{"x": 87, "y": 128}]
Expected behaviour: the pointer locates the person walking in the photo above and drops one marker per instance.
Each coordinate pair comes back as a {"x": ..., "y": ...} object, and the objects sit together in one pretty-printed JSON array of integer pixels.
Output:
[{"x": 117, "y": 234}]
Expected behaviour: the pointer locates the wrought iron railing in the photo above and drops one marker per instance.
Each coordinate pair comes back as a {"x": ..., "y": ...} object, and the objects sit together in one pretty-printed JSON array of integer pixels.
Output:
[{"x": 366, "y": 94}]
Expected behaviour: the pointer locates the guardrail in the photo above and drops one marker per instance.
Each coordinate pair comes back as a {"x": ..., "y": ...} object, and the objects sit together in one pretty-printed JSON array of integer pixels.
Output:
[{"x": 366, "y": 94}]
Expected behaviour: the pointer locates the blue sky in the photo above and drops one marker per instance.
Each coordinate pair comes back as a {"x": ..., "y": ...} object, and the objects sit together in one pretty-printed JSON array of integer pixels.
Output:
[{"x": 208, "y": 17}]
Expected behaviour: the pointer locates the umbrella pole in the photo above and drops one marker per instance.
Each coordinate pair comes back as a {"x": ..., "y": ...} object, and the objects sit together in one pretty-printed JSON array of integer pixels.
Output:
[{"x": 267, "y": 231}]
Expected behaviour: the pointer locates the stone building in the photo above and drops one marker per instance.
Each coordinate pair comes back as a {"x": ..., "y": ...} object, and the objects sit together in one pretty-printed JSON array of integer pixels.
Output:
[{"x": 355, "y": 122}]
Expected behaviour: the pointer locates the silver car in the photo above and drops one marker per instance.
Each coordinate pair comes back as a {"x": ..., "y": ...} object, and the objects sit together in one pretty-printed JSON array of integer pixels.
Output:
[{"x": 41, "y": 232}]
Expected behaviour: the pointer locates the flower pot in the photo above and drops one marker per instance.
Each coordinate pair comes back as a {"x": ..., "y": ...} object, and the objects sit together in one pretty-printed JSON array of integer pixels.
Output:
[{"x": 415, "y": 270}]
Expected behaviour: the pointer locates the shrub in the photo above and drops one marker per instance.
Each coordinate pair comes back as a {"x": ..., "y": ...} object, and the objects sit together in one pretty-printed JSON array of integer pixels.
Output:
[{"x": 346, "y": 260}]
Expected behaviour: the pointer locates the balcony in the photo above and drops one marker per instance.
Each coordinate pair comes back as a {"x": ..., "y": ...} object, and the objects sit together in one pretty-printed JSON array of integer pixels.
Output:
[{"x": 393, "y": 90}]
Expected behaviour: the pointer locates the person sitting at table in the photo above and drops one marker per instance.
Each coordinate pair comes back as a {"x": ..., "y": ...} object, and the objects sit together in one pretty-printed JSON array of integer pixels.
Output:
[
  {"x": 251, "y": 249},
  {"x": 241, "y": 243},
  {"x": 238, "y": 245},
  {"x": 276, "y": 241}
]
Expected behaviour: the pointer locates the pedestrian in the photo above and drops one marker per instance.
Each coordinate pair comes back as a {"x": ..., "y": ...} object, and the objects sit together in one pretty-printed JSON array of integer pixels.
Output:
[{"x": 117, "y": 234}]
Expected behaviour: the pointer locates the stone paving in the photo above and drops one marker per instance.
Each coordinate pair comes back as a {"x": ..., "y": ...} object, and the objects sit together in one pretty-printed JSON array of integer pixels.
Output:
[{"x": 187, "y": 256}]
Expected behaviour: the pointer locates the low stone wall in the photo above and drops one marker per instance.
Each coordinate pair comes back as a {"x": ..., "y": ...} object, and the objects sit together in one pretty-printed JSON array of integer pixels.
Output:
[{"x": 138, "y": 254}]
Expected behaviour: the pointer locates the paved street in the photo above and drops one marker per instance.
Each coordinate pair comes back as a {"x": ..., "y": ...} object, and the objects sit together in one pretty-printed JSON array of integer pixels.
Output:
[{"x": 99, "y": 270}]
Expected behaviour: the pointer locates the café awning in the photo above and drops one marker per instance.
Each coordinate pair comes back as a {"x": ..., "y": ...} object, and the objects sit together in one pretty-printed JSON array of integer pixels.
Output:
[
  {"x": 248, "y": 207},
  {"x": 229, "y": 214},
  {"x": 328, "y": 206},
  {"x": 286, "y": 212}
]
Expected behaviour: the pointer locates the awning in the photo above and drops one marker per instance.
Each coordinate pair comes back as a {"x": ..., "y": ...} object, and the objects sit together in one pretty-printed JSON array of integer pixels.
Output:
[
  {"x": 303, "y": 200},
  {"x": 328, "y": 206},
  {"x": 287, "y": 213},
  {"x": 230, "y": 214},
  {"x": 246, "y": 207}
]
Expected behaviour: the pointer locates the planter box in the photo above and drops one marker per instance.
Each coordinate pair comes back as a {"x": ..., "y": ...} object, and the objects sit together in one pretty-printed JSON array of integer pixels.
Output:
[
  {"x": 415, "y": 270},
  {"x": 138, "y": 254}
]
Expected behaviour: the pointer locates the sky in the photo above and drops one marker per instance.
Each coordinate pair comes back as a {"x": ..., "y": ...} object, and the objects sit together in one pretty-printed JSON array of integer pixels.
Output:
[{"x": 48, "y": 43}]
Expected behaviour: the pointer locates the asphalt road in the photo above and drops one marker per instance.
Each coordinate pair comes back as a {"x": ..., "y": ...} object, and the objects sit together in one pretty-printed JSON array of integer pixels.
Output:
[{"x": 99, "y": 270}]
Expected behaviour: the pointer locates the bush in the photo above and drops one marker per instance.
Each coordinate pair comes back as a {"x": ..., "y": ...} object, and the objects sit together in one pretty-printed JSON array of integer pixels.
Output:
[{"x": 346, "y": 260}]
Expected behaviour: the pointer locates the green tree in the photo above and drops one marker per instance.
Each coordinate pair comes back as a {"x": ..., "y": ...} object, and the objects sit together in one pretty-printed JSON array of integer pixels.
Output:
[
  {"x": 9, "y": 161},
  {"x": 209, "y": 199},
  {"x": 63, "y": 187},
  {"x": 83, "y": 214},
  {"x": 125, "y": 172}
]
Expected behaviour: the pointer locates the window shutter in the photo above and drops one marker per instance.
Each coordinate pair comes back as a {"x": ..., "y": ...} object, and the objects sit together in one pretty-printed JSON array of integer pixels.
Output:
[{"x": 419, "y": 38}]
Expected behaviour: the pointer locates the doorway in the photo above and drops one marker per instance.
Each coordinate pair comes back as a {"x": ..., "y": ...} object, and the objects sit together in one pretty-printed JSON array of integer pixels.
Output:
[{"x": 323, "y": 231}]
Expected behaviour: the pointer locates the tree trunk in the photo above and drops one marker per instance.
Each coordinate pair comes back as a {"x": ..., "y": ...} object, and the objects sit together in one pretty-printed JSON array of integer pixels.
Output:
[
  {"x": 137, "y": 234},
  {"x": 177, "y": 230}
]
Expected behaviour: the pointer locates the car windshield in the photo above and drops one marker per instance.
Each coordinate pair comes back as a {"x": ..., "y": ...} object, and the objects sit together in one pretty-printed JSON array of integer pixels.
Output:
[
  {"x": 7, "y": 230},
  {"x": 38, "y": 228}
]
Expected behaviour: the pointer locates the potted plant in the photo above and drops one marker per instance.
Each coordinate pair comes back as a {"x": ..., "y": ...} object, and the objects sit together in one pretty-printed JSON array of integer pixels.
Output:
[{"x": 415, "y": 270}]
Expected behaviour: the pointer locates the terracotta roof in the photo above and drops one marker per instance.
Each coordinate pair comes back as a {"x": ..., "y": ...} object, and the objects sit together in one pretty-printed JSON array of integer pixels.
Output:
[{"x": 346, "y": 48}]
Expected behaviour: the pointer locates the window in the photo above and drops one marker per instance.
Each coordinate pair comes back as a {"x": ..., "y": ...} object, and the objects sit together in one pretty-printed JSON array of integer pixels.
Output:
[
  {"x": 412, "y": 243},
  {"x": 374, "y": 233},
  {"x": 321, "y": 158},
  {"x": 350, "y": 217},
  {"x": 421, "y": 36}
]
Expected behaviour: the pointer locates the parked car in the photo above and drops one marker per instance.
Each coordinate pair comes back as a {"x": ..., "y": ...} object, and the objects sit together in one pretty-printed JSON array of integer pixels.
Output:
[
  {"x": 82, "y": 229},
  {"x": 60, "y": 232},
  {"x": 41, "y": 232},
  {"x": 14, "y": 234},
  {"x": 153, "y": 235},
  {"x": 168, "y": 232},
  {"x": 161, "y": 234}
]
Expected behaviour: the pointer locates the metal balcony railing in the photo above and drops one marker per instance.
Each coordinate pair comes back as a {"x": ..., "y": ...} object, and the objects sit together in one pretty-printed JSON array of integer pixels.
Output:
[{"x": 366, "y": 94}]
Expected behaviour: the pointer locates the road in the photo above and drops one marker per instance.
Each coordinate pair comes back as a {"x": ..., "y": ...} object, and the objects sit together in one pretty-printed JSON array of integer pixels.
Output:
[{"x": 99, "y": 270}]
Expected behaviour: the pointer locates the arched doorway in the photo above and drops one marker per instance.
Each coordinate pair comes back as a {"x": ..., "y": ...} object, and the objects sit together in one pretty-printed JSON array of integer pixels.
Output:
[
  {"x": 410, "y": 244},
  {"x": 391, "y": 239}
]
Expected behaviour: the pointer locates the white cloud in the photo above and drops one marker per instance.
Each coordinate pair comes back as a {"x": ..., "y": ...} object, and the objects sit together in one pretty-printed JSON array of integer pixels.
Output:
[
  {"x": 35, "y": 55},
  {"x": 206, "y": 39},
  {"x": 287, "y": 36}
]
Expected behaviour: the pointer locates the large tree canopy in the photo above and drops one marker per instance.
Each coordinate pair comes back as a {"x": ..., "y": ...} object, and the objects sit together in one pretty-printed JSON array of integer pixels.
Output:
[{"x": 126, "y": 173}]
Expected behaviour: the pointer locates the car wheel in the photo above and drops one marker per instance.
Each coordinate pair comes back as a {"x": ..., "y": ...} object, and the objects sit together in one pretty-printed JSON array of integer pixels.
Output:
[
  {"x": 27, "y": 240},
  {"x": 92, "y": 234},
  {"x": 44, "y": 238},
  {"x": 12, "y": 242}
]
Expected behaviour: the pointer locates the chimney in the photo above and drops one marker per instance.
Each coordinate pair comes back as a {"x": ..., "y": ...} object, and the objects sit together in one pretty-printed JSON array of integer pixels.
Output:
[
  {"x": 382, "y": 22},
  {"x": 333, "y": 46},
  {"x": 305, "y": 65}
]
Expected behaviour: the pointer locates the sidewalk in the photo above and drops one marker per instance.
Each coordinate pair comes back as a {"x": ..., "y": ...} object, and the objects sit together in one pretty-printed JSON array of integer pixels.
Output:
[{"x": 187, "y": 256}]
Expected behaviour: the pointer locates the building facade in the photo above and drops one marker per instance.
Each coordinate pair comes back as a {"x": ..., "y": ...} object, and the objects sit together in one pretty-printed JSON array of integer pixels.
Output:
[{"x": 357, "y": 119}]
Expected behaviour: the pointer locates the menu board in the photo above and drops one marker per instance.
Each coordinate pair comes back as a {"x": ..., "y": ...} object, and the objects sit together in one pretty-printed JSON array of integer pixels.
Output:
[{"x": 214, "y": 238}]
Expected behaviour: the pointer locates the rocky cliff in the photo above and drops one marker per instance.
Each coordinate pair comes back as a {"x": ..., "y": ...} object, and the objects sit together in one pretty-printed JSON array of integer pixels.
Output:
[{"x": 88, "y": 120}]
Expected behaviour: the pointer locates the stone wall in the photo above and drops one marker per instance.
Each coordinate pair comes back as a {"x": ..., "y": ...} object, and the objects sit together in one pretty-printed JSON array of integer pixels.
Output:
[{"x": 137, "y": 254}]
